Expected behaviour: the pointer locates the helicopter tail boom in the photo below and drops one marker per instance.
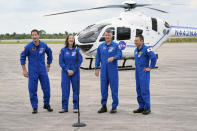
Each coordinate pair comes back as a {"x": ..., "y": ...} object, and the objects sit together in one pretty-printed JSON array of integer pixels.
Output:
[{"x": 180, "y": 31}]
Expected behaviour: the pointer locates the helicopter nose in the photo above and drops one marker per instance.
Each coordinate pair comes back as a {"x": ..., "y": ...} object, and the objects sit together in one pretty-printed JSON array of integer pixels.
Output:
[{"x": 85, "y": 47}]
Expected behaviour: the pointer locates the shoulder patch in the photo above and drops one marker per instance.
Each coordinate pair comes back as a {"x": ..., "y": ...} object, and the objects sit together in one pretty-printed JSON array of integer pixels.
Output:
[{"x": 149, "y": 50}]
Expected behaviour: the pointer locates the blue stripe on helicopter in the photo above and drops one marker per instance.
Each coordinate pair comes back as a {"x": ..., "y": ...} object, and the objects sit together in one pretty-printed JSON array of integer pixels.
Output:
[
  {"x": 183, "y": 27},
  {"x": 92, "y": 51},
  {"x": 159, "y": 40},
  {"x": 131, "y": 46}
]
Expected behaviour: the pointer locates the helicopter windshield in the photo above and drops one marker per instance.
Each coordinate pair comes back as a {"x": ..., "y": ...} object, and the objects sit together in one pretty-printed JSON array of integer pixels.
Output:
[{"x": 91, "y": 33}]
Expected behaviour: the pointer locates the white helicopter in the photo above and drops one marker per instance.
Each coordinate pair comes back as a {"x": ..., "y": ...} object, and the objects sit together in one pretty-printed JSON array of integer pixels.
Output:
[{"x": 125, "y": 27}]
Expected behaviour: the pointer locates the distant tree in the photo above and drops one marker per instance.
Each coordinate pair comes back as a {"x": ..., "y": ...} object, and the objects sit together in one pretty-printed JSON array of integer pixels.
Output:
[
  {"x": 7, "y": 34},
  {"x": 14, "y": 34},
  {"x": 43, "y": 35},
  {"x": 42, "y": 32},
  {"x": 66, "y": 33},
  {"x": 74, "y": 33}
]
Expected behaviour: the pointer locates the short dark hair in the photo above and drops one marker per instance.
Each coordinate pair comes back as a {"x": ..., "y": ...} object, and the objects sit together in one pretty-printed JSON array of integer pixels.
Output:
[
  {"x": 35, "y": 30},
  {"x": 108, "y": 31},
  {"x": 140, "y": 36},
  {"x": 66, "y": 41}
]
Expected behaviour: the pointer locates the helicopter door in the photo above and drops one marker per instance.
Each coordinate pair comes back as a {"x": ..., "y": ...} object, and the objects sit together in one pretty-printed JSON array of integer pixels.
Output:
[
  {"x": 151, "y": 34},
  {"x": 102, "y": 39}
]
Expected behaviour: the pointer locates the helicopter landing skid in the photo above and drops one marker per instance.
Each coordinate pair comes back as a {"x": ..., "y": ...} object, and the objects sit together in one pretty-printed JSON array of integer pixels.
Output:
[{"x": 123, "y": 67}]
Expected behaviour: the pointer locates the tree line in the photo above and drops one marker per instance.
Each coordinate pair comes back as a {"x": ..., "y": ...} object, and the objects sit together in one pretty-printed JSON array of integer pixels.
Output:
[{"x": 43, "y": 35}]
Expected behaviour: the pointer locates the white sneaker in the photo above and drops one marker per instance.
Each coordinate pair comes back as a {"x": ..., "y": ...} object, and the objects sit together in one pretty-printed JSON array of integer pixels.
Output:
[{"x": 75, "y": 110}]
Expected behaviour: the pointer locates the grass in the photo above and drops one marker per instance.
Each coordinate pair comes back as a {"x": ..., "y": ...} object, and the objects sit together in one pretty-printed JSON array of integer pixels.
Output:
[
  {"x": 25, "y": 42},
  {"x": 181, "y": 40},
  {"x": 170, "y": 40}
]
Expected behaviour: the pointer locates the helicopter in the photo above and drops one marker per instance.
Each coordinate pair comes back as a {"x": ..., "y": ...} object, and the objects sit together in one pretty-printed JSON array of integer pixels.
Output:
[{"x": 124, "y": 28}]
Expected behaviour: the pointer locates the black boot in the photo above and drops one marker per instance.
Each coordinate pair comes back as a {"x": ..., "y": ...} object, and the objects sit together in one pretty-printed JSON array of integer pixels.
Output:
[
  {"x": 49, "y": 109},
  {"x": 113, "y": 110},
  {"x": 138, "y": 111},
  {"x": 35, "y": 110},
  {"x": 146, "y": 112},
  {"x": 103, "y": 109}
]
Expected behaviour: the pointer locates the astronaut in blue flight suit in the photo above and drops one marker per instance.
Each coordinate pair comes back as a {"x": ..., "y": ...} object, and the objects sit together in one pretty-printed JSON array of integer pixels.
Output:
[
  {"x": 35, "y": 51},
  {"x": 68, "y": 59},
  {"x": 143, "y": 54},
  {"x": 107, "y": 55}
]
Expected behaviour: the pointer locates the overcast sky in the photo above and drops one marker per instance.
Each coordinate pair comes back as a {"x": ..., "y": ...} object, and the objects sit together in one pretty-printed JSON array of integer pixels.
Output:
[{"x": 21, "y": 16}]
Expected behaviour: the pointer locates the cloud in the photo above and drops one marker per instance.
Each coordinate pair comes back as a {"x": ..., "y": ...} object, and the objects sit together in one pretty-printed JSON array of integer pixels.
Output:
[
  {"x": 21, "y": 15},
  {"x": 193, "y": 3}
]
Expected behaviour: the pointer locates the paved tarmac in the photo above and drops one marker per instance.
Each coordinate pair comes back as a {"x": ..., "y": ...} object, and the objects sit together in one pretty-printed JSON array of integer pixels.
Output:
[{"x": 173, "y": 96}]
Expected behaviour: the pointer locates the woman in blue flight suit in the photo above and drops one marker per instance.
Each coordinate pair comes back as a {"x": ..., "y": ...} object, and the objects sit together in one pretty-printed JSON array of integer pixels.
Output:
[{"x": 67, "y": 61}]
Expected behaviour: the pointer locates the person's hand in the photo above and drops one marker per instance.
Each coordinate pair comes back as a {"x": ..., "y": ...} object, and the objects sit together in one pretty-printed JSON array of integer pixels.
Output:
[
  {"x": 147, "y": 69},
  {"x": 97, "y": 72},
  {"x": 110, "y": 59},
  {"x": 25, "y": 73},
  {"x": 48, "y": 68},
  {"x": 70, "y": 72}
]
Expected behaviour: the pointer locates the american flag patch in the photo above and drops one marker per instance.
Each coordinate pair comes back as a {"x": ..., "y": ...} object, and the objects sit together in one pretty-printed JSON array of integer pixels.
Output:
[{"x": 149, "y": 50}]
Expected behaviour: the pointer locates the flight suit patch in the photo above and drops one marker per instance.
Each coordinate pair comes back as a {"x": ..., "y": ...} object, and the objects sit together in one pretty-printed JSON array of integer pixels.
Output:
[
  {"x": 139, "y": 54},
  {"x": 111, "y": 49},
  {"x": 34, "y": 49},
  {"x": 41, "y": 50},
  {"x": 73, "y": 53}
]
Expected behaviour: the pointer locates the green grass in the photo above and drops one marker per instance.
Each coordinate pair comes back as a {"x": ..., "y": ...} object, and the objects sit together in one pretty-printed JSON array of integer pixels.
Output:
[
  {"x": 170, "y": 40},
  {"x": 181, "y": 40},
  {"x": 25, "y": 42}
]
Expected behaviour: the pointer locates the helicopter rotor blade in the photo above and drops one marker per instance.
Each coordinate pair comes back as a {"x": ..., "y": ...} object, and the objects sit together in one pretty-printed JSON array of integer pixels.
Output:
[
  {"x": 101, "y": 7},
  {"x": 171, "y": 4},
  {"x": 124, "y": 6},
  {"x": 142, "y": 5},
  {"x": 127, "y": 6},
  {"x": 162, "y": 11}
]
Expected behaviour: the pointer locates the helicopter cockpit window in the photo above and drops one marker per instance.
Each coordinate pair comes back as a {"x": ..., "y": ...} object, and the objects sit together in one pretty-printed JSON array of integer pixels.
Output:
[
  {"x": 113, "y": 33},
  {"x": 86, "y": 28},
  {"x": 123, "y": 33},
  {"x": 90, "y": 34}
]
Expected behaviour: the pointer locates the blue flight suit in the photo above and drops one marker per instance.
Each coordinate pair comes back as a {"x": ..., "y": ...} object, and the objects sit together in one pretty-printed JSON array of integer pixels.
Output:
[
  {"x": 109, "y": 70},
  {"x": 142, "y": 58},
  {"x": 37, "y": 70},
  {"x": 67, "y": 61}
]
